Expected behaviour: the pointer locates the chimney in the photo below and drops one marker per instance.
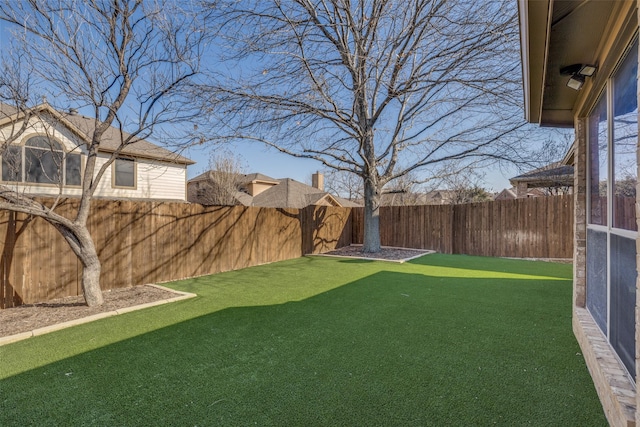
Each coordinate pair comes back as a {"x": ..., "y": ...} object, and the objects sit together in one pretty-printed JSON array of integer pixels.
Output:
[{"x": 317, "y": 180}]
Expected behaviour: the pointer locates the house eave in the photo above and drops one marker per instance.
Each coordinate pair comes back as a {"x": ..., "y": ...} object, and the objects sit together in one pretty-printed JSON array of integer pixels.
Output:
[
  {"x": 261, "y": 181},
  {"x": 177, "y": 161},
  {"x": 533, "y": 48},
  {"x": 331, "y": 200},
  {"x": 569, "y": 157},
  {"x": 553, "y": 36}
]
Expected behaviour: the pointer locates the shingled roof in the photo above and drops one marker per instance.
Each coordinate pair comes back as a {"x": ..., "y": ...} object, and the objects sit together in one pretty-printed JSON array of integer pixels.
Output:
[
  {"x": 284, "y": 193},
  {"x": 555, "y": 174},
  {"x": 84, "y": 126}
]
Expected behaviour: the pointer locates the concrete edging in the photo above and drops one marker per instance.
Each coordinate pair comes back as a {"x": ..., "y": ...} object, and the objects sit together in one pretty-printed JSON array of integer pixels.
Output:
[
  {"x": 58, "y": 326},
  {"x": 423, "y": 252}
]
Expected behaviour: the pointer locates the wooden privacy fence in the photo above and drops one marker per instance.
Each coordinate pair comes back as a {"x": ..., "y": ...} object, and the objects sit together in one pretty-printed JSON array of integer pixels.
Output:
[
  {"x": 147, "y": 242},
  {"x": 151, "y": 242},
  {"x": 540, "y": 227}
]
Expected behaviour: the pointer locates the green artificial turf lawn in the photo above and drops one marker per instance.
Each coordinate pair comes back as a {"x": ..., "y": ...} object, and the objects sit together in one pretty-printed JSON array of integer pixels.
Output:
[{"x": 442, "y": 340}]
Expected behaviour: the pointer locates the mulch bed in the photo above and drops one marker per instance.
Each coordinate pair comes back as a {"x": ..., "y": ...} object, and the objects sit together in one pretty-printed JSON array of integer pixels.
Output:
[
  {"x": 386, "y": 253},
  {"x": 33, "y": 316}
]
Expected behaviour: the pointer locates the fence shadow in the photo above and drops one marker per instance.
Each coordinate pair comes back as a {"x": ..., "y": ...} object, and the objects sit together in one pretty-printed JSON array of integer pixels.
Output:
[{"x": 152, "y": 242}]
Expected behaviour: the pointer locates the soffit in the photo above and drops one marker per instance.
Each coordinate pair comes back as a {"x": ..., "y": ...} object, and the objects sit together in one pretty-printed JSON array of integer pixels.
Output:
[
  {"x": 577, "y": 28},
  {"x": 555, "y": 34}
]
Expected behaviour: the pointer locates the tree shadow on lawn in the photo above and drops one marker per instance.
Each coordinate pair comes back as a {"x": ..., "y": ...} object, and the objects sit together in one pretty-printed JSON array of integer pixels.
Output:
[{"x": 389, "y": 349}]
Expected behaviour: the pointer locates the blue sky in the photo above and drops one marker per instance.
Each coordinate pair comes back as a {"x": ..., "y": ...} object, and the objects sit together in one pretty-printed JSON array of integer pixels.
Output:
[{"x": 258, "y": 158}]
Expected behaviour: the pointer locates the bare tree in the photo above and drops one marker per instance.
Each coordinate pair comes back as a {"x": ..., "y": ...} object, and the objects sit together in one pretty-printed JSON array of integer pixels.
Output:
[
  {"x": 375, "y": 88},
  {"x": 344, "y": 184},
  {"x": 220, "y": 184},
  {"x": 403, "y": 191},
  {"x": 472, "y": 194},
  {"x": 464, "y": 187},
  {"x": 551, "y": 177},
  {"x": 126, "y": 62}
]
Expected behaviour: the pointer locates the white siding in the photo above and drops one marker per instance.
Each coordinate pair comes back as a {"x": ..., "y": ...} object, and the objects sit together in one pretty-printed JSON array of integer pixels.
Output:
[
  {"x": 69, "y": 140},
  {"x": 154, "y": 179}
]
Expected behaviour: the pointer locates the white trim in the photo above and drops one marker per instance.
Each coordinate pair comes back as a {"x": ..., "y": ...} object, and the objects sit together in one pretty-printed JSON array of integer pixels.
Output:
[
  {"x": 607, "y": 94},
  {"x": 114, "y": 173},
  {"x": 629, "y": 234},
  {"x": 597, "y": 227},
  {"x": 524, "y": 48}
]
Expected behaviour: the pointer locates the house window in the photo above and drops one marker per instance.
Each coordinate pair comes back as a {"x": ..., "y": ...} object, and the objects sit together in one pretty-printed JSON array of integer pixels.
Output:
[
  {"x": 41, "y": 161},
  {"x": 73, "y": 169},
  {"x": 598, "y": 159},
  {"x": 124, "y": 174},
  {"x": 625, "y": 138},
  {"x": 612, "y": 229},
  {"x": 12, "y": 164}
]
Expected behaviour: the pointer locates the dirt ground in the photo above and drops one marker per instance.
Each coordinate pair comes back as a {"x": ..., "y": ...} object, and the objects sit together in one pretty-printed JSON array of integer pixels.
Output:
[{"x": 33, "y": 316}]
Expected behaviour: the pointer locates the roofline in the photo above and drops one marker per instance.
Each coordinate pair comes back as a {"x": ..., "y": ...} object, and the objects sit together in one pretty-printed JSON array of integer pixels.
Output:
[
  {"x": 263, "y": 181},
  {"x": 524, "y": 55},
  {"x": 560, "y": 177},
  {"x": 533, "y": 80},
  {"x": 142, "y": 156},
  {"x": 46, "y": 107},
  {"x": 332, "y": 198},
  {"x": 568, "y": 158},
  {"x": 41, "y": 107}
]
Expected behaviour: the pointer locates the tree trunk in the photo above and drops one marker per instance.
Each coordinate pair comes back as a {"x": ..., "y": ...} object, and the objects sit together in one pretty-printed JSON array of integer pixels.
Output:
[
  {"x": 91, "y": 279},
  {"x": 82, "y": 245},
  {"x": 90, "y": 269},
  {"x": 371, "y": 243}
]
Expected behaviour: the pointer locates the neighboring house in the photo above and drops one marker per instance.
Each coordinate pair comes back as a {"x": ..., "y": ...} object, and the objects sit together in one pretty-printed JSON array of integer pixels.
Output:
[
  {"x": 440, "y": 197},
  {"x": 260, "y": 190},
  {"x": 402, "y": 198},
  {"x": 555, "y": 178},
  {"x": 50, "y": 155},
  {"x": 458, "y": 196},
  {"x": 506, "y": 194},
  {"x": 580, "y": 64},
  {"x": 511, "y": 194}
]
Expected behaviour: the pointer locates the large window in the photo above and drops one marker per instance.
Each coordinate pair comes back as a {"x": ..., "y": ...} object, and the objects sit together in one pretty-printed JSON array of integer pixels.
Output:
[
  {"x": 598, "y": 159},
  {"x": 612, "y": 229},
  {"x": 625, "y": 138},
  {"x": 41, "y": 160}
]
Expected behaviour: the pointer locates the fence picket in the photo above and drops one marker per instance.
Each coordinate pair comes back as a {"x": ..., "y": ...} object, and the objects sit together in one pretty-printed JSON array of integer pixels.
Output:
[{"x": 150, "y": 242}]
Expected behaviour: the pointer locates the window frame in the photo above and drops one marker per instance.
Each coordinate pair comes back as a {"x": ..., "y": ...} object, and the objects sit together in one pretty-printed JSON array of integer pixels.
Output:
[
  {"x": 22, "y": 148},
  {"x": 114, "y": 172},
  {"x": 40, "y": 156},
  {"x": 607, "y": 93}
]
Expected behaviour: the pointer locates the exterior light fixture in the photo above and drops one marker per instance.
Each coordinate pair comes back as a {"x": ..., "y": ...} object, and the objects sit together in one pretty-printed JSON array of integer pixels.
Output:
[
  {"x": 578, "y": 72},
  {"x": 576, "y": 81}
]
